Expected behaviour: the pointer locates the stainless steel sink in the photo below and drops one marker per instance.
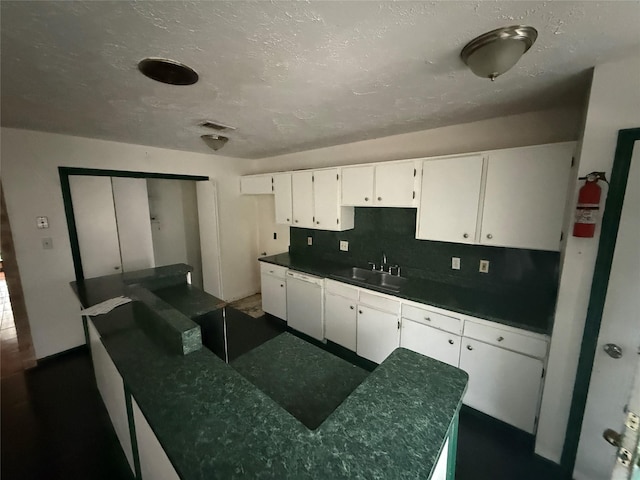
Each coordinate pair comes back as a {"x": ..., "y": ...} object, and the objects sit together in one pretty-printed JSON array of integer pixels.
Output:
[{"x": 373, "y": 277}]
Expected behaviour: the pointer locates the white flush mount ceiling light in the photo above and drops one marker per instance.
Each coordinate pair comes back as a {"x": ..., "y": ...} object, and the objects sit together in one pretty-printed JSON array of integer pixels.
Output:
[
  {"x": 215, "y": 142},
  {"x": 493, "y": 53}
]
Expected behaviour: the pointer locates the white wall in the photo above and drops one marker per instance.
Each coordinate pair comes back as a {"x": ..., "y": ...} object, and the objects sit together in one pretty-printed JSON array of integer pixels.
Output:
[
  {"x": 506, "y": 132},
  {"x": 31, "y": 185},
  {"x": 614, "y": 104}
]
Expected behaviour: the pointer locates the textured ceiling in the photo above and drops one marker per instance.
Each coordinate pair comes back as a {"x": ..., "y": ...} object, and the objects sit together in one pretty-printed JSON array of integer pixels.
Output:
[{"x": 290, "y": 76}]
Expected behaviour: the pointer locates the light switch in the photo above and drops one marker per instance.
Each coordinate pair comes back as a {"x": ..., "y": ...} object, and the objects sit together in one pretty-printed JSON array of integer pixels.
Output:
[
  {"x": 344, "y": 246},
  {"x": 484, "y": 266},
  {"x": 42, "y": 222},
  {"x": 309, "y": 240},
  {"x": 47, "y": 243},
  {"x": 455, "y": 263}
]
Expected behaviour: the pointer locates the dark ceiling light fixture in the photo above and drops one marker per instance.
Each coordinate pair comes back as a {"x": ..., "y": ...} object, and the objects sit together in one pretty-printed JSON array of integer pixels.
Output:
[
  {"x": 215, "y": 142},
  {"x": 167, "y": 71},
  {"x": 493, "y": 53},
  {"x": 216, "y": 126}
]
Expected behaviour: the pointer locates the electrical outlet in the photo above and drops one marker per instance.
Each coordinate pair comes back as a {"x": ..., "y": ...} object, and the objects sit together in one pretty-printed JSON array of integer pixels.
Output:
[
  {"x": 47, "y": 243},
  {"x": 309, "y": 240},
  {"x": 455, "y": 263},
  {"x": 344, "y": 246},
  {"x": 484, "y": 266},
  {"x": 42, "y": 222}
]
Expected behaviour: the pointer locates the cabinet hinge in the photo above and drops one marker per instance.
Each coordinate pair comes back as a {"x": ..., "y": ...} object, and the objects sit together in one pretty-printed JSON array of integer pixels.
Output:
[
  {"x": 414, "y": 194},
  {"x": 561, "y": 235},
  {"x": 272, "y": 189},
  {"x": 398, "y": 324},
  {"x": 338, "y": 221},
  {"x": 535, "y": 421},
  {"x": 314, "y": 219},
  {"x": 337, "y": 176},
  {"x": 313, "y": 178},
  {"x": 271, "y": 179},
  {"x": 542, "y": 376},
  {"x": 415, "y": 172},
  {"x": 573, "y": 161}
]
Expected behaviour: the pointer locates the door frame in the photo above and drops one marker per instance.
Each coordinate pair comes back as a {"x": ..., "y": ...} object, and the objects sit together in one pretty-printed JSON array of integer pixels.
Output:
[
  {"x": 604, "y": 259},
  {"x": 66, "y": 172}
]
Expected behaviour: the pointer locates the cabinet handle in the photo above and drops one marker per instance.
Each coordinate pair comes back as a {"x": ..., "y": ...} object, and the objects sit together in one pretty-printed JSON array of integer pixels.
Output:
[
  {"x": 351, "y": 307},
  {"x": 450, "y": 342},
  {"x": 469, "y": 347},
  {"x": 296, "y": 221},
  {"x": 489, "y": 236},
  {"x": 317, "y": 223},
  {"x": 428, "y": 319},
  {"x": 288, "y": 220},
  {"x": 500, "y": 339},
  {"x": 282, "y": 285},
  {"x": 379, "y": 198},
  {"x": 359, "y": 311},
  {"x": 116, "y": 268},
  {"x": 366, "y": 199},
  {"x": 466, "y": 235}
]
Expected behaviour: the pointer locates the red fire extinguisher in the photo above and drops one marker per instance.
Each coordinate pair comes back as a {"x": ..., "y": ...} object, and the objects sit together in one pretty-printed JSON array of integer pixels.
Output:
[{"x": 588, "y": 205}]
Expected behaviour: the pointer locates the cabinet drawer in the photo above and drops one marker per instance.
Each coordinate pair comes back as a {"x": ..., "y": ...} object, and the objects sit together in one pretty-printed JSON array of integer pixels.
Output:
[
  {"x": 271, "y": 269},
  {"x": 379, "y": 302},
  {"x": 433, "y": 319},
  {"x": 534, "y": 347},
  {"x": 341, "y": 289}
]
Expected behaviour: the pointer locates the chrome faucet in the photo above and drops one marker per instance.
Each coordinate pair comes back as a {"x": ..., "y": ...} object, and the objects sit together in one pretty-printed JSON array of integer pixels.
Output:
[{"x": 383, "y": 265}]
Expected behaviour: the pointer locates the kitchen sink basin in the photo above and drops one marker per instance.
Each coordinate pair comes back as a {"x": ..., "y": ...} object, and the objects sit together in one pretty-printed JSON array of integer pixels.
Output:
[{"x": 375, "y": 278}]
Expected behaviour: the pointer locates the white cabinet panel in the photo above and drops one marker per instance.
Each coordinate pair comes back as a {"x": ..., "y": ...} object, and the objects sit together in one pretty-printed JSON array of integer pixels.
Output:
[
  {"x": 432, "y": 318},
  {"x": 271, "y": 269},
  {"x": 256, "y": 184},
  {"x": 326, "y": 196},
  {"x": 111, "y": 388},
  {"x": 450, "y": 196},
  {"x": 154, "y": 463},
  {"x": 131, "y": 201},
  {"x": 395, "y": 184},
  {"x": 340, "y": 320},
  {"x": 378, "y": 333},
  {"x": 525, "y": 197},
  {"x": 95, "y": 218},
  {"x": 500, "y": 337},
  {"x": 503, "y": 384},
  {"x": 274, "y": 296},
  {"x": 302, "y": 198},
  {"x": 282, "y": 191},
  {"x": 357, "y": 186},
  {"x": 431, "y": 342}
]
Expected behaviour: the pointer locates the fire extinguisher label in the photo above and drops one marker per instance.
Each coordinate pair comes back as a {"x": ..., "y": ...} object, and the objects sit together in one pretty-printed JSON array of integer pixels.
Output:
[{"x": 586, "y": 216}]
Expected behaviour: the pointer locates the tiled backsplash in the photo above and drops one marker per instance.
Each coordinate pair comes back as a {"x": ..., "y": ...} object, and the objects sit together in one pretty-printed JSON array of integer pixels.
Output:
[{"x": 392, "y": 231}]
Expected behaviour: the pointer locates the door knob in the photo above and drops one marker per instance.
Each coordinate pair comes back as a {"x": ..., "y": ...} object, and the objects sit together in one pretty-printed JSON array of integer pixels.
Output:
[
  {"x": 613, "y": 350},
  {"x": 612, "y": 437}
]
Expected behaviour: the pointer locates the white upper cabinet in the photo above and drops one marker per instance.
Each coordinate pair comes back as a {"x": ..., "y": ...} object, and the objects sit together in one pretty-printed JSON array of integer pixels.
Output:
[
  {"x": 326, "y": 199},
  {"x": 256, "y": 184},
  {"x": 282, "y": 191},
  {"x": 449, "y": 200},
  {"x": 357, "y": 186},
  {"x": 396, "y": 184},
  {"x": 390, "y": 184},
  {"x": 525, "y": 196},
  {"x": 302, "y": 198}
]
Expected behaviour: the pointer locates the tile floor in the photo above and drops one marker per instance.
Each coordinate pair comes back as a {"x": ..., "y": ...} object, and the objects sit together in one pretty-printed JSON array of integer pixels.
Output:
[{"x": 54, "y": 426}]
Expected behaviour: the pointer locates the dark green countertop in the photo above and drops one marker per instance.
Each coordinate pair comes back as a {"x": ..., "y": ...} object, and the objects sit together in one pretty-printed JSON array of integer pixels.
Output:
[
  {"x": 214, "y": 423},
  {"x": 520, "y": 311}
]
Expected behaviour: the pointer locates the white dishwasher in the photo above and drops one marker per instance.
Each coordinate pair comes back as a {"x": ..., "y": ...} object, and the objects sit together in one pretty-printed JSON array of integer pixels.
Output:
[{"x": 305, "y": 306}]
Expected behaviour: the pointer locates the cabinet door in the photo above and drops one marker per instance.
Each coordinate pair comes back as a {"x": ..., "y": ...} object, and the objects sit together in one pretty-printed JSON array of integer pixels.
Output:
[
  {"x": 256, "y": 184},
  {"x": 449, "y": 199},
  {"x": 154, "y": 463},
  {"x": 502, "y": 383},
  {"x": 95, "y": 217},
  {"x": 302, "y": 199},
  {"x": 357, "y": 186},
  {"x": 282, "y": 190},
  {"x": 525, "y": 197},
  {"x": 340, "y": 320},
  {"x": 431, "y": 342},
  {"x": 378, "y": 333},
  {"x": 395, "y": 184},
  {"x": 111, "y": 388},
  {"x": 326, "y": 195},
  {"x": 274, "y": 296}
]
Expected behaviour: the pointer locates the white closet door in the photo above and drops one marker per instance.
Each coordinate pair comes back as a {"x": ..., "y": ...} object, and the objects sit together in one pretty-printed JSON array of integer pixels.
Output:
[
  {"x": 131, "y": 202},
  {"x": 95, "y": 219}
]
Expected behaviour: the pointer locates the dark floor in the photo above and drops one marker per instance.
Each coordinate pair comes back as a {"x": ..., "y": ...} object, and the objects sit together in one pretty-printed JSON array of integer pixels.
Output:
[{"x": 54, "y": 425}]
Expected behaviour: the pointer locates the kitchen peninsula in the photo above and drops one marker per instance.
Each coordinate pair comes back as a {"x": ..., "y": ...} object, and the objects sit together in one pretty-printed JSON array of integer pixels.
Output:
[{"x": 211, "y": 422}]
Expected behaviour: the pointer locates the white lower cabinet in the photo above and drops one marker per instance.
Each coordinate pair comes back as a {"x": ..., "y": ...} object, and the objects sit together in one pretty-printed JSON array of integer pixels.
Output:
[
  {"x": 429, "y": 341},
  {"x": 340, "y": 320},
  {"x": 378, "y": 333},
  {"x": 274, "y": 290},
  {"x": 154, "y": 463},
  {"x": 111, "y": 389},
  {"x": 502, "y": 383}
]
